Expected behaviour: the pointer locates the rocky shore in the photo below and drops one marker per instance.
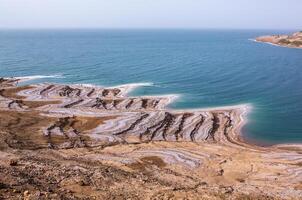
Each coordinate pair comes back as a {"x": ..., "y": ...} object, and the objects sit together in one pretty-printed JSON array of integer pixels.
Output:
[
  {"x": 87, "y": 142},
  {"x": 292, "y": 41}
]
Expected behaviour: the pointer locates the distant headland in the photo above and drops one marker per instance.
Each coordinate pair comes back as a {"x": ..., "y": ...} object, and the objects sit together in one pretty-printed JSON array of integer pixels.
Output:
[{"x": 292, "y": 41}]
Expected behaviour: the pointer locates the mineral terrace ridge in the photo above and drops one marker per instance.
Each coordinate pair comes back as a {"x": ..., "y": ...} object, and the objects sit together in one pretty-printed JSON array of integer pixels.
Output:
[
  {"x": 81, "y": 142},
  {"x": 292, "y": 41}
]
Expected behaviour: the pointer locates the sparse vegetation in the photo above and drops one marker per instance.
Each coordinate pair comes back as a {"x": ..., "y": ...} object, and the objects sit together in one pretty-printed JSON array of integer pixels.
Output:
[
  {"x": 297, "y": 43},
  {"x": 284, "y": 41}
]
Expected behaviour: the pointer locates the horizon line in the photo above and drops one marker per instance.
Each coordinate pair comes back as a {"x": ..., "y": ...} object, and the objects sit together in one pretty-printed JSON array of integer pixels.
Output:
[{"x": 141, "y": 28}]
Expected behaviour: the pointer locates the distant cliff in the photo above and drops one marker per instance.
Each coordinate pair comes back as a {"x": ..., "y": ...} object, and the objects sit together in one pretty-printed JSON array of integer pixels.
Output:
[{"x": 293, "y": 41}]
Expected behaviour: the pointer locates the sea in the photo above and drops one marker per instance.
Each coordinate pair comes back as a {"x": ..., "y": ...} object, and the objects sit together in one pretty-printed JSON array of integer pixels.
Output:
[{"x": 204, "y": 68}]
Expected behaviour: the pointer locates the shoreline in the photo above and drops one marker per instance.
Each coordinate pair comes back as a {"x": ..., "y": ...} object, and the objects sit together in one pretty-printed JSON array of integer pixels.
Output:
[
  {"x": 170, "y": 98},
  {"x": 273, "y": 44},
  {"x": 162, "y": 102},
  {"x": 244, "y": 109}
]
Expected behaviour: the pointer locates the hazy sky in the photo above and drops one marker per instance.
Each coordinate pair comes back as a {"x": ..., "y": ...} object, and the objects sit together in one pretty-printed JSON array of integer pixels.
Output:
[{"x": 264, "y": 14}]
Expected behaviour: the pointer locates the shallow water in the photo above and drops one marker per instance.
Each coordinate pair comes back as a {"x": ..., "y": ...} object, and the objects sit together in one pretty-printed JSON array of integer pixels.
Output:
[{"x": 207, "y": 68}]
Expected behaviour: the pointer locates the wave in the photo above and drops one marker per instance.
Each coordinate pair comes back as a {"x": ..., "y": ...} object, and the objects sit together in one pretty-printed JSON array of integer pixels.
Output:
[
  {"x": 34, "y": 77},
  {"x": 129, "y": 87},
  {"x": 89, "y": 85},
  {"x": 144, "y": 84}
]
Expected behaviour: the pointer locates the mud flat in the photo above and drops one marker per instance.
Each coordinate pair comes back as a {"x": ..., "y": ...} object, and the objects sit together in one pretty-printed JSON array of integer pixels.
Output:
[
  {"x": 86, "y": 142},
  {"x": 291, "y": 41}
]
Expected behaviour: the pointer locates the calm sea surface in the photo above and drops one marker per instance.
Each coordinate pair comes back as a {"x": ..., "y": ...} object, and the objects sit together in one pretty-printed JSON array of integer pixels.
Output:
[{"x": 207, "y": 68}]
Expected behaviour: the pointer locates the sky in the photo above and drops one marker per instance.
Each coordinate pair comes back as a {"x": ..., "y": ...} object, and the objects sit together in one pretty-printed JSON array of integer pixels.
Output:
[{"x": 187, "y": 14}]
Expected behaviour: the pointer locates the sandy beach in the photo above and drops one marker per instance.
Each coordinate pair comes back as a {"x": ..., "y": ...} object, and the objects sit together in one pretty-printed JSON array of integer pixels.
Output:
[{"x": 80, "y": 141}]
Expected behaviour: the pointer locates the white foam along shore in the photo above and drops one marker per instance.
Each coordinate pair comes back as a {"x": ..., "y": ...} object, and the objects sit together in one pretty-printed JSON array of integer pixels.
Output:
[
  {"x": 129, "y": 87},
  {"x": 126, "y": 88},
  {"x": 245, "y": 107},
  {"x": 254, "y": 40},
  {"x": 34, "y": 77},
  {"x": 273, "y": 44}
]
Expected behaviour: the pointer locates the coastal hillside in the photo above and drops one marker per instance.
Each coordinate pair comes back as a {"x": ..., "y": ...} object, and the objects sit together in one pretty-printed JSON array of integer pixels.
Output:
[
  {"x": 85, "y": 142},
  {"x": 293, "y": 41}
]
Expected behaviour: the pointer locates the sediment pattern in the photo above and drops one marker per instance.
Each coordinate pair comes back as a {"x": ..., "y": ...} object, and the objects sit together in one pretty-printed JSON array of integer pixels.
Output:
[
  {"x": 87, "y": 137},
  {"x": 139, "y": 119}
]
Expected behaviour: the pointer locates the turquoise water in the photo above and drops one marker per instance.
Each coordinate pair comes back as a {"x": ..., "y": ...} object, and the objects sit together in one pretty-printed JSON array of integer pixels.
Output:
[{"x": 206, "y": 67}]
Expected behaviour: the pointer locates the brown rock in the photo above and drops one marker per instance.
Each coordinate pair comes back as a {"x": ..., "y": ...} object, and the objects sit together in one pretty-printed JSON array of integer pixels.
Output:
[{"x": 13, "y": 162}]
